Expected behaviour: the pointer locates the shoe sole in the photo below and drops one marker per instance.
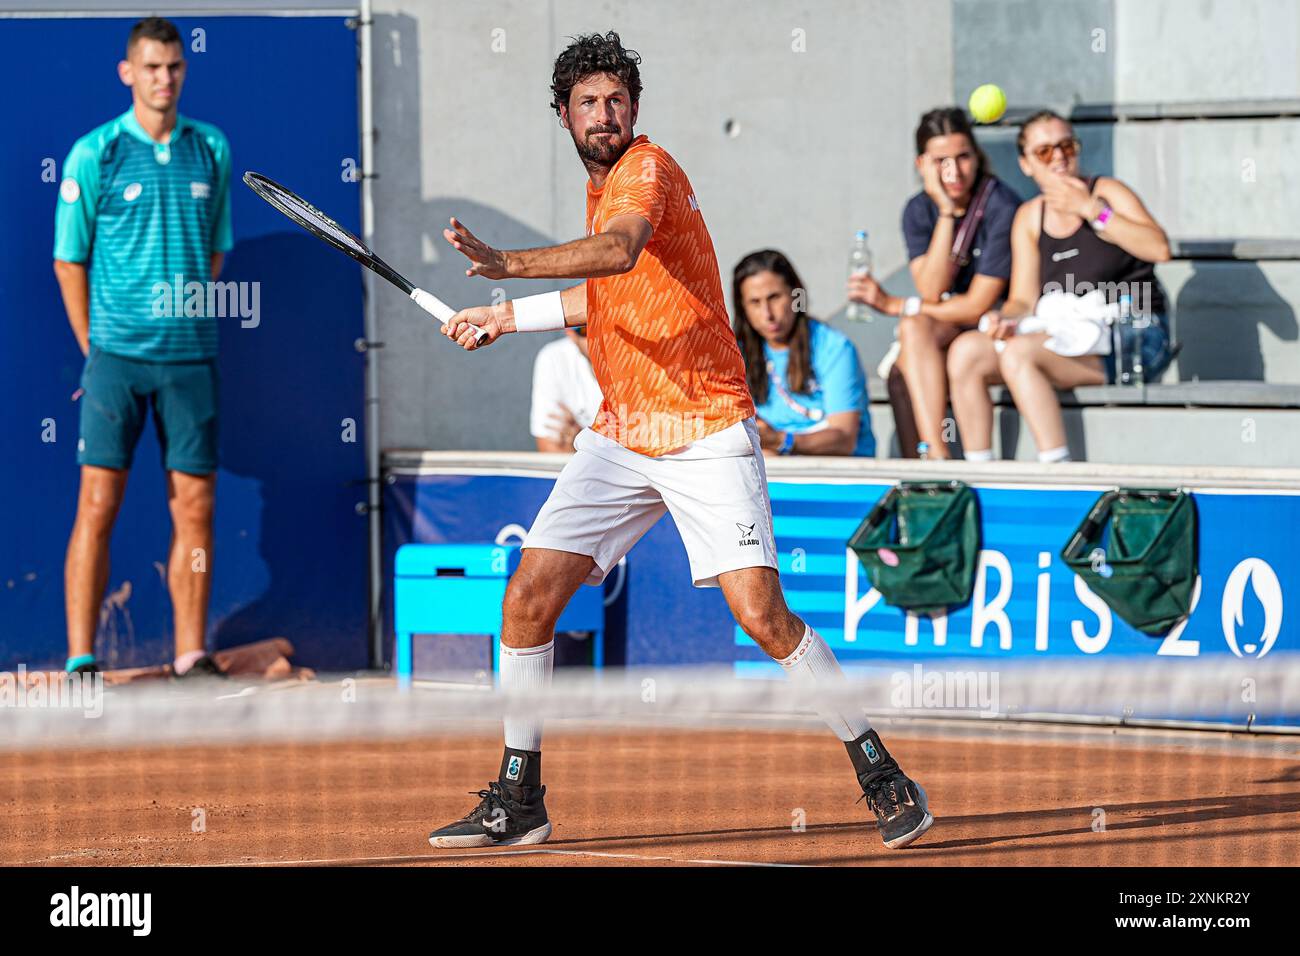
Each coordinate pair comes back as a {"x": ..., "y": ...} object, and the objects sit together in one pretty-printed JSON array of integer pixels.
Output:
[
  {"x": 533, "y": 836},
  {"x": 899, "y": 842}
]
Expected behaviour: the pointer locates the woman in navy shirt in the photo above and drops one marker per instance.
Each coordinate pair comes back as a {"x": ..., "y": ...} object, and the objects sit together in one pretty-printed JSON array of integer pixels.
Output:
[
  {"x": 805, "y": 377},
  {"x": 953, "y": 290}
]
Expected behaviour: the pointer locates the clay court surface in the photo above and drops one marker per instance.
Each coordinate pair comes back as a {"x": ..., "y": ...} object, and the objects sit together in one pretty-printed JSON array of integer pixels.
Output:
[{"x": 666, "y": 797}]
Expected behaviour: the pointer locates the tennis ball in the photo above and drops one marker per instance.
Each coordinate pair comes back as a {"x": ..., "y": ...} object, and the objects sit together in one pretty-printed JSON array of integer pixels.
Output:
[{"x": 988, "y": 103}]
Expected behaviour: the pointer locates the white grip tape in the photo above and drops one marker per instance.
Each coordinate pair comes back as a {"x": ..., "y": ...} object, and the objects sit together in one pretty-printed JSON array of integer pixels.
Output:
[
  {"x": 539, "y": 313},
  {"x": 439, "y": 310},
  {"x": 433, "y": 305}
]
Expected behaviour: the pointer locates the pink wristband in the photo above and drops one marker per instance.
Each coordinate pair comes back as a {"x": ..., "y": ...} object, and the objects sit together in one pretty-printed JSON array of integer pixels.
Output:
[{"x": 1102, "y": 219}]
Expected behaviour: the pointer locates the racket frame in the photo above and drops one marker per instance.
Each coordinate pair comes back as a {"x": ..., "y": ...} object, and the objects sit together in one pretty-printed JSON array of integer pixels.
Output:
[{"x": 271, "y": 191}]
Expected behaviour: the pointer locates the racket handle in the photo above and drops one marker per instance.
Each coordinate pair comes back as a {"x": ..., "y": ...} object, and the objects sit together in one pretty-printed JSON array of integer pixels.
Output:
[{"x": 442, "y": 311}]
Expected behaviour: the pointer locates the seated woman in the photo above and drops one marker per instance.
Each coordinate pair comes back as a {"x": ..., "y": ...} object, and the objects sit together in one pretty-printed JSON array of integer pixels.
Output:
[
  {"x": 958, "y": 236},
  {"x": 1080, "y": 237},
  {"x": 805, "y": 377}
]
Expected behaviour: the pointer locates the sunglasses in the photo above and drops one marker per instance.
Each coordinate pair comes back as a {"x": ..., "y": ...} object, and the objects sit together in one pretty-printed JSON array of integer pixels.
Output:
[{"x": 1069, "y": 149}]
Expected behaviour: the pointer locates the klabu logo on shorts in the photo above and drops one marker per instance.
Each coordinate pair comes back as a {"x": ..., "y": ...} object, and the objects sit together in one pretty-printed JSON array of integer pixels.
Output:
[
  {"x": 746, "y": 534},
  {"x": 513, "y": 767},
  {"x": 868, "y": 748}
]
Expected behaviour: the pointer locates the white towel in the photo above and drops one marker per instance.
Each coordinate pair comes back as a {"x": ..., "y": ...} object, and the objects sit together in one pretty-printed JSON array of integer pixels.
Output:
[{"x": 1075, "y": 324}]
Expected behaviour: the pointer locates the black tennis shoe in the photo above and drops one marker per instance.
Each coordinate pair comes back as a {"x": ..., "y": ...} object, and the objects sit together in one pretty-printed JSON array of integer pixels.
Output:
[
  {"x": 902, "y": 812},
  {"x": 505, "y": 816},
  {"x": 205, "y": 666},
  {"x": 899, "y": 803}
]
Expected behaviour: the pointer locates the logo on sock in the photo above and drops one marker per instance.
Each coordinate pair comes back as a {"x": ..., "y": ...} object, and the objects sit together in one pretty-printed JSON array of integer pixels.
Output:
[
  {"x": 868, "y": 748},
  {"x": 515, "y": 765},
  {"x": 746, "y": 534}
]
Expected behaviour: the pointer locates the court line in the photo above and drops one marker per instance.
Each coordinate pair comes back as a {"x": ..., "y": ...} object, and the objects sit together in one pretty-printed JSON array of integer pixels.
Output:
[{"x": 425, "y": 858}]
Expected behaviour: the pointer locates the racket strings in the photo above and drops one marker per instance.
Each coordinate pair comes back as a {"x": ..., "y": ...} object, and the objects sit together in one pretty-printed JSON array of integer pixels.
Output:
[{"x": 304, "y": 213}]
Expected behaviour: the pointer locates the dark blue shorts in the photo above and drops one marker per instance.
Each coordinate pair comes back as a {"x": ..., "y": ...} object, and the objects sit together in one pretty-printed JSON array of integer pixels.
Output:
[
  {"x": 117, "y": 394},
  {"x": 1155, "y": 350}
]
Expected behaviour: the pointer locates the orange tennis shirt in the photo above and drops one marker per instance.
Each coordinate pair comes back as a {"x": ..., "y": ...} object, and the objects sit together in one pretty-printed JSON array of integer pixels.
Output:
[{"x": 659, "y": 337}]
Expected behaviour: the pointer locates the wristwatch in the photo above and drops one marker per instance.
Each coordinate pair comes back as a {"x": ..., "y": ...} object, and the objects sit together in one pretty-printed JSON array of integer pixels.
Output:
[{"x": 787, "y": 444}]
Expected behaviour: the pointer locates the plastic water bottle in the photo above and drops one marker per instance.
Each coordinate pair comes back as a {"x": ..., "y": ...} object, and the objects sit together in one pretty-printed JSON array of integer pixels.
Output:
[
  {"x": 859, "y": 265},
  {"x": 1129, "y": 358}
]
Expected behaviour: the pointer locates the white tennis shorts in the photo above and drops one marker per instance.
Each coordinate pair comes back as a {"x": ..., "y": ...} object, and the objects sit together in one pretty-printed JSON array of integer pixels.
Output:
[{"x": 607, "y": 497}]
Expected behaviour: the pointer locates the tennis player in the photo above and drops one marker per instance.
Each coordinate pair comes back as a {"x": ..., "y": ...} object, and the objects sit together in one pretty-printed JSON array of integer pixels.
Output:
[
  {"x": 675, "y": 433},
  {"x": 144, "y": 214}
]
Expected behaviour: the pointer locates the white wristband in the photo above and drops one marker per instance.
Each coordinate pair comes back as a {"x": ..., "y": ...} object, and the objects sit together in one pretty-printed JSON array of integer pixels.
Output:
[
  {"x": 912, "y": 305},
  {"x": 539, "y": 313}
]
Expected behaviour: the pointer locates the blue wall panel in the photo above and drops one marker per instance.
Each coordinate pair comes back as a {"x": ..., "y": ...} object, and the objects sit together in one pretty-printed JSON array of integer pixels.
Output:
[{"x": 290, "y": 551}]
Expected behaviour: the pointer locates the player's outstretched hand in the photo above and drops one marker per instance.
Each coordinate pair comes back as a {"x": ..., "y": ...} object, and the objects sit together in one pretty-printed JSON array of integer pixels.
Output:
[
  {"x": 485, "y": 261},
  {"x": 459, "y": 327}
]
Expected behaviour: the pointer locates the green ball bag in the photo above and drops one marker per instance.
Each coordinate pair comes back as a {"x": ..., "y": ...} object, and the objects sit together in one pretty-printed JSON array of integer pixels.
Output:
[
  {"x": 1137, "y": 551},
  {"x": 920, "y": 545}
]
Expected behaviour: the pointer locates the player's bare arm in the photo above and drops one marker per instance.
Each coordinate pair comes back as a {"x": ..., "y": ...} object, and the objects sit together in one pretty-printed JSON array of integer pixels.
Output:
[{"x": 611, "y": 252}]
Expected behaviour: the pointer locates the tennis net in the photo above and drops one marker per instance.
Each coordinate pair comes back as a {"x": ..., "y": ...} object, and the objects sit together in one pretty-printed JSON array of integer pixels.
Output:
[{"x": 1086, "y": 763}]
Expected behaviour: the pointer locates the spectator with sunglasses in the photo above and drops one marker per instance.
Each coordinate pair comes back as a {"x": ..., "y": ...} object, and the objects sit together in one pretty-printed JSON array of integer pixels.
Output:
[
  {"x": 1081, "y": 237},
  {"x": 566, "y": 396},
  {"x": 805, "y": 377},
  {"x": 957, "y": 232}
]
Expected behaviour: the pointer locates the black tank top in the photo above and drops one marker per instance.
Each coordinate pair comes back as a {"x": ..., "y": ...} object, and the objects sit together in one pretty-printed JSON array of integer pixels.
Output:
[{"x": 1083, "y": 261}]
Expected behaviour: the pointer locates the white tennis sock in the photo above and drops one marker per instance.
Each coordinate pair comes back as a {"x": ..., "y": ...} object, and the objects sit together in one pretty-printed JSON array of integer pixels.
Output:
[
  {"x": 813, "y": 666},
  {"x": 971, "y": 455},
  {"x": 526, "y": 669},
  {"x": 1054, "y": 454}
]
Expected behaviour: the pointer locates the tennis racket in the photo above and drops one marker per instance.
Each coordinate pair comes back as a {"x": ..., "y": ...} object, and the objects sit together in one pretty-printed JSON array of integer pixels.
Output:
[{"x": 323, "y": 227}]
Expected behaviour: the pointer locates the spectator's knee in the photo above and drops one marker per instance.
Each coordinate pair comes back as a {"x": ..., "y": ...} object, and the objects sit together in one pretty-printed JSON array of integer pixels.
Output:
[
  {"x": 914, "y": 328},
  {"x": 1019, "y": 357},
  {"x": 964, "y": 357}
]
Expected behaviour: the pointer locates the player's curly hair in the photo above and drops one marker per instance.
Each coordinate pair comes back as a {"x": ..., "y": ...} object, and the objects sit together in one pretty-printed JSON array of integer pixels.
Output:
[{"x": 591, "y": 54}]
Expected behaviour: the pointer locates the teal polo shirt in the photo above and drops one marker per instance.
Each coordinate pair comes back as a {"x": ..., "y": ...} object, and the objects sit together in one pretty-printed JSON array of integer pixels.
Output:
[{"x": 147, "y": 217}]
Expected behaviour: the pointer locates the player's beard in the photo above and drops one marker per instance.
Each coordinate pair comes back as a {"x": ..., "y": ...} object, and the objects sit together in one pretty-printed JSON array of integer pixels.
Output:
[{"x": 601, "y": 152}]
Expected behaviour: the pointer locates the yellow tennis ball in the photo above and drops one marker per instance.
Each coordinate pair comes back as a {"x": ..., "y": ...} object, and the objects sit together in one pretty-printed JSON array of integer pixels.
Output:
[{"x": 988, "y": 103}]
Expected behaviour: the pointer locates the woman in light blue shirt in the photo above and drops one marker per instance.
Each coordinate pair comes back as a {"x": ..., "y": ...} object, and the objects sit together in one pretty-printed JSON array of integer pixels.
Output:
[{"x": 805, "y": 376}]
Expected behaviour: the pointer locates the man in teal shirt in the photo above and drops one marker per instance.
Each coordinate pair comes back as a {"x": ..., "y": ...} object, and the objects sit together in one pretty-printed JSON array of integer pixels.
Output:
[{"x": 143, "y": 221}]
